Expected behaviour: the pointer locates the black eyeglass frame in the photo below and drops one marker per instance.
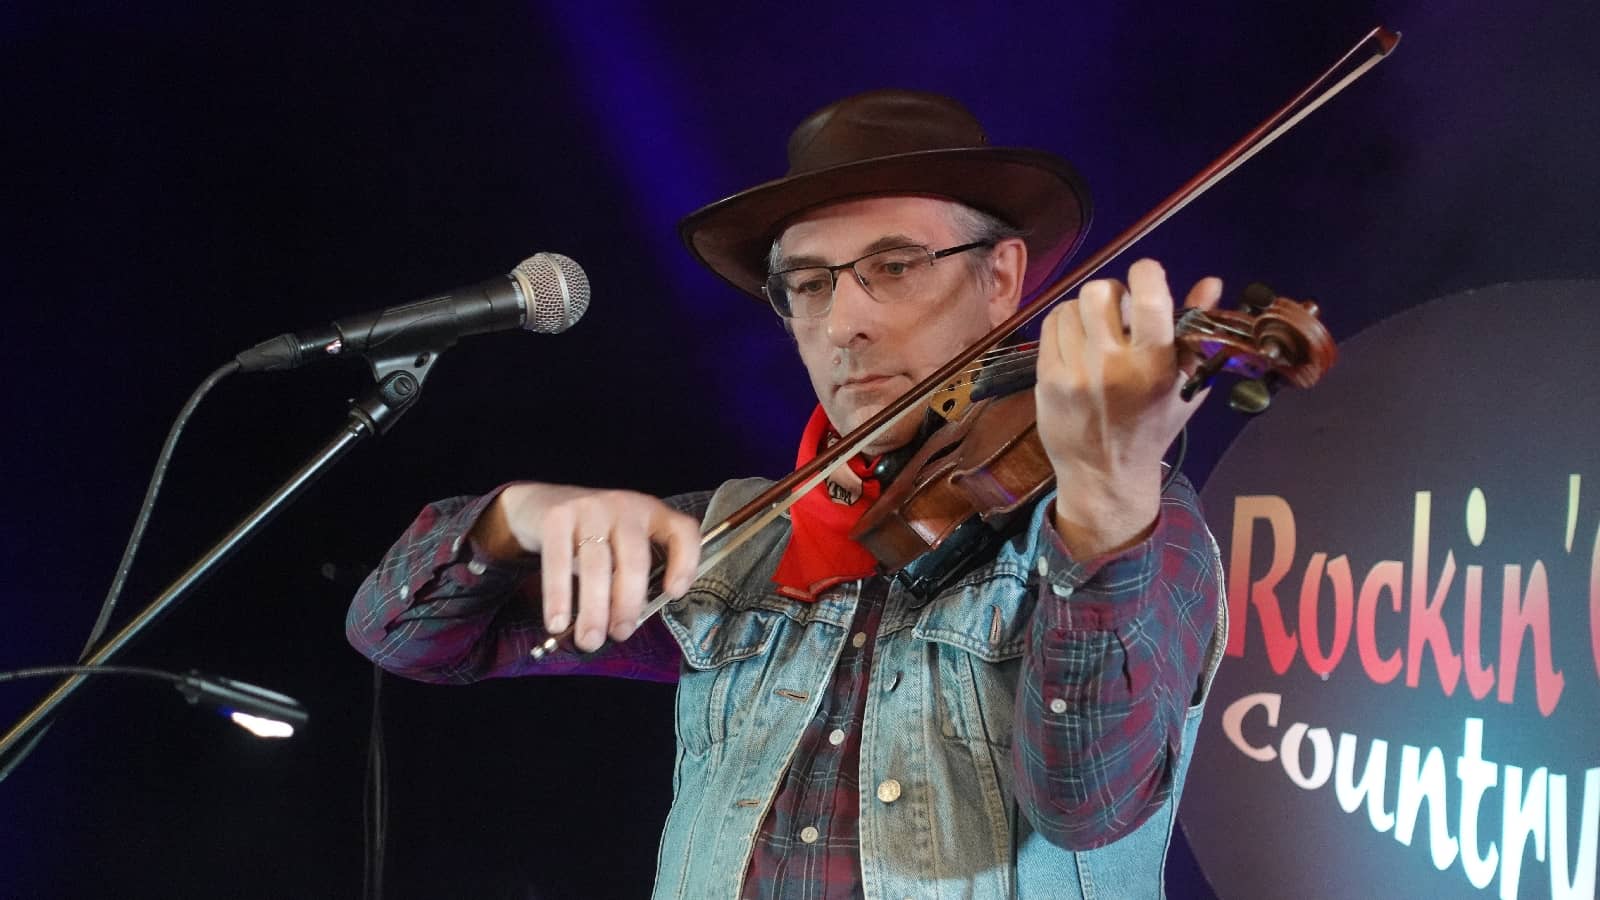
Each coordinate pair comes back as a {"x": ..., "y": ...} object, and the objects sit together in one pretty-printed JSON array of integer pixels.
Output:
[{"x": 833, "y": 274}]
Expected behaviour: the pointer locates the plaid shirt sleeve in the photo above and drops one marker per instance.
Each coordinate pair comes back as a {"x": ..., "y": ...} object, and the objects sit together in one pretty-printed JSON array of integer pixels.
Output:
[
  {"x": 439, "y": 609},
  {"x": 1114, "y": 660}
]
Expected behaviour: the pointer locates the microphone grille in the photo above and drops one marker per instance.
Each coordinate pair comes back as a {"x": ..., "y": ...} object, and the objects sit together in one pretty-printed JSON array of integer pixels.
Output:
[{"x": 556, "y": 290}]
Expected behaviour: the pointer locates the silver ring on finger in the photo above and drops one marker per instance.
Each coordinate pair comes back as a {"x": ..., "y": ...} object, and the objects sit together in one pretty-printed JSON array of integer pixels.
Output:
[{"x": 592, "y": 539}]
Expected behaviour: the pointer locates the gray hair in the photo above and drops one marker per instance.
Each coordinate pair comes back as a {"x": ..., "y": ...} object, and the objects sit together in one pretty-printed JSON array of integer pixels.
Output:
[{"x": 981, "y": 227}]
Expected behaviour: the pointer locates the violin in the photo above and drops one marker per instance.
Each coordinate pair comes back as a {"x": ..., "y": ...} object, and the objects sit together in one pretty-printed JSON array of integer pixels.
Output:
[
  {"x": 969, "y": 482},
  {"x": 1271, "y": 342}
]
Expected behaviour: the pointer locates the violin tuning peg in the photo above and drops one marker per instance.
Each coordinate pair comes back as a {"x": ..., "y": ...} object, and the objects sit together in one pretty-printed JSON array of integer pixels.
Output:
[
  {"x": 1257, "y": 297},
  {"x": 1253, "y": 396},
  {"x": 1202, "y": 376}
]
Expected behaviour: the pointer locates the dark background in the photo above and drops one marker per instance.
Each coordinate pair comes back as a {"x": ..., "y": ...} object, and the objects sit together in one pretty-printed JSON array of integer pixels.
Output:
[{"x": 183, "y": 180}]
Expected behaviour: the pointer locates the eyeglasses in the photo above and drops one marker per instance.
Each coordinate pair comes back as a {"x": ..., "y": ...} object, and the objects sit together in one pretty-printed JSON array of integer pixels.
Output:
[{"x": 894, "y": 275}]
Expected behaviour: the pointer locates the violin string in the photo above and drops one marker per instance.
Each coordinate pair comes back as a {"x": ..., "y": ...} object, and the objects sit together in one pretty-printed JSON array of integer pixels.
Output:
[
  {"x": 1004, "y": 362},
  {"x": 1018, "y": 362},
  {"x": 1009, "y": 357}
]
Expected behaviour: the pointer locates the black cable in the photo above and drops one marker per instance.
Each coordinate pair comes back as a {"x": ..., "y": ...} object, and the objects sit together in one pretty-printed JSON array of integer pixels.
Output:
[
  {"x": 146, "y": 508},
  {"x": 141, "y": 522},
  {"x": 138, "y": 671},
  {"x": 375, "y": 805},
  {"x": 1177, "y": 462}
]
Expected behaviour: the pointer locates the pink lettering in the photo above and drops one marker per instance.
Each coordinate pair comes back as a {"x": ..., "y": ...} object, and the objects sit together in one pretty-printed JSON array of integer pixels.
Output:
[
  {"x": 1385, "y": 576},
  {"x": 1260, "y": 594},
  {"x": 1427, "y": 618},
  {"x": 1310, "y": 625},
  {"x": 1480, "y": 677}
]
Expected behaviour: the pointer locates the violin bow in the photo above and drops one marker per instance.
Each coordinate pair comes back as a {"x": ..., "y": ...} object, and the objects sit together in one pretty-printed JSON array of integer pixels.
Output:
[{"x": 772, "y": 503}]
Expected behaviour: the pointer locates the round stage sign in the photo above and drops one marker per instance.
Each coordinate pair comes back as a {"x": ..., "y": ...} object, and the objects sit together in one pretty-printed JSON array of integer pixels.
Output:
[{"x": 1410, "y": 702}]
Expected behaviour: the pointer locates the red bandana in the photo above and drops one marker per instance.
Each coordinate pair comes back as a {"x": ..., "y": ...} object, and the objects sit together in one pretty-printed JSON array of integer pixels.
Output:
[{"x": 820, "y": 553}]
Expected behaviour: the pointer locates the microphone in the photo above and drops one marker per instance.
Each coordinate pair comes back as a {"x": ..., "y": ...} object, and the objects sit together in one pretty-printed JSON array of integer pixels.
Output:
[{"x": 545, "y": 293}]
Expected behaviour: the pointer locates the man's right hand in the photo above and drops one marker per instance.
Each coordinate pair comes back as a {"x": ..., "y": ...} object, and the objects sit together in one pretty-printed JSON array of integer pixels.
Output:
[{"x": 603, "y": 538}]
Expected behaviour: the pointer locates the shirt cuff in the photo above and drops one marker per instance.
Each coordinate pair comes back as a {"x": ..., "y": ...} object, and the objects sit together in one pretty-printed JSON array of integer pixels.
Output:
[
  {"x": 465, "y": 566},
  {"x": 1101, "y": 593}
]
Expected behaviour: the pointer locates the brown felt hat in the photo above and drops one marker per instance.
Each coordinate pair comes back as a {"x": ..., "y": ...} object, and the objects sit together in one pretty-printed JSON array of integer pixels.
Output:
[{"x": 895, "y": 142}]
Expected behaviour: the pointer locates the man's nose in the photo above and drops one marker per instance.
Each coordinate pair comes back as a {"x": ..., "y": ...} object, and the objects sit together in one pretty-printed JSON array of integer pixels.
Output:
[{"x": 850, "y": 316}]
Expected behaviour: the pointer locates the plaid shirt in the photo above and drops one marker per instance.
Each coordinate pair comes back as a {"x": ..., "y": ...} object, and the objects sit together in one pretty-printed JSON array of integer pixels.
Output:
[
  {"x": 807, "y": 845},
  {"x": 1115, "y": 656}
]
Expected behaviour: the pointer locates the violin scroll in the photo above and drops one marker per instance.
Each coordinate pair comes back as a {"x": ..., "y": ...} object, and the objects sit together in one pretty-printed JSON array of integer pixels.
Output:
[{"x": 1272, "y": 340}]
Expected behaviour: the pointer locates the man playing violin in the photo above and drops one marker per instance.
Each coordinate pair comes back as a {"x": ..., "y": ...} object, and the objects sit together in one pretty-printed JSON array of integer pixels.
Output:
[{"x": 1022, "y": 732}]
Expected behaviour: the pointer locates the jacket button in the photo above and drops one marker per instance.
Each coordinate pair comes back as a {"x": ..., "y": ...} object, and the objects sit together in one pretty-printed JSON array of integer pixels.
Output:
[
  {"x": 892, "y": 683},
  {"x": 889, "y": 791}
]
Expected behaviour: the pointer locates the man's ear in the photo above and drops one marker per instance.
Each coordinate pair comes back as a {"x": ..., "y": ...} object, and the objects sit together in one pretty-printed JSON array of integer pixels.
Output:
[{"x": 1009, "y": 260}]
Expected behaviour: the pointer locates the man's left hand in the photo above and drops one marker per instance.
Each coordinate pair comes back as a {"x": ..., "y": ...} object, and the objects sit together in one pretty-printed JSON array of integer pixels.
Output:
[{"x": 1109, "y": 405}]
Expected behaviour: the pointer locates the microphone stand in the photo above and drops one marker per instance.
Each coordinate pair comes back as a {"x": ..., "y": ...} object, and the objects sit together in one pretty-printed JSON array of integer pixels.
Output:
[{"x": 400, "y": 378}]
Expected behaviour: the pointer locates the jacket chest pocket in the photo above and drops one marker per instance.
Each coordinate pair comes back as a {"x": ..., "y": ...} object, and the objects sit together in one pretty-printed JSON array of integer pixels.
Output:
[
  {"x": 725, "y": 655},
  {"x": 972, "y": 640}
]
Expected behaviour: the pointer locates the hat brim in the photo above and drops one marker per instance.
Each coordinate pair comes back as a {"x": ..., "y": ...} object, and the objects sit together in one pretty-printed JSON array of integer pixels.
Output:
[{"x": 1032, "y": 190}]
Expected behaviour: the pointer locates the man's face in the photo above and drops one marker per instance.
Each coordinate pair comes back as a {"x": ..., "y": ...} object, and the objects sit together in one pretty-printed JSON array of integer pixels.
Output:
[{"x": 863, "y": 353}]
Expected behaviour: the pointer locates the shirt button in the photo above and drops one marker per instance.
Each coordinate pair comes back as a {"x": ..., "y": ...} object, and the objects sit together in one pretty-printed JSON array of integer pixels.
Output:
[
  {"x": 836, "y": 737},
  {"x": 477, "y": 567},
  {"x": 455, "y": 546},
  {"x": 809, "y": 834},
  {"x": 1043, "y": 566},
  {"x": 1058, "y": 705},
  {"x": 889, "y": 791},
  {"x": 405, "y": 591},
  {"x": 859, "y": 641}
]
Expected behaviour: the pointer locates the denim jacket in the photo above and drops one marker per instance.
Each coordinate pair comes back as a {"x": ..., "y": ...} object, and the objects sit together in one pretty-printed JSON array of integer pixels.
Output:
[{"x": 938, "y": 724}]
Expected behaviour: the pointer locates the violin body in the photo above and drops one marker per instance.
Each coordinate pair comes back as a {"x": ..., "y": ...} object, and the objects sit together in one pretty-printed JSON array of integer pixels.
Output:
[{"x": 961, "y": 489}]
